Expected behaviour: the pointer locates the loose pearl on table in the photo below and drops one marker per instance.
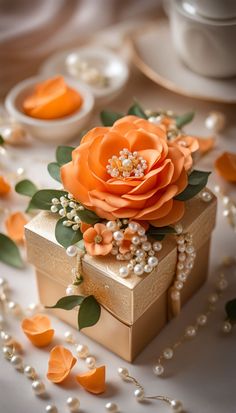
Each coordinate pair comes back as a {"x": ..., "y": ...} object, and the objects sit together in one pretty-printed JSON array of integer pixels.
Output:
[
  {"x": 14, "y": 308},
  {"x": 215, "y": 121},
  {"x": 38, "y": 387},
  {"x": 91, "y": 362},
  {"x": 30, "y": 372},
  {"x": 82, "y": 351},
  {"x": 139, "y": 395},
  {"x": 226, "y": 327},
  {"x": 69, "y": 338},
  {"x": 190, "y": 331},
  {"x": 7, "y": 352},
  {"x": 17, "y": 362},
  {"x": 33, "y": 308},
  {"x": 71, "y": 251},
  {"x": 177, "y": 406},
  {"x": 202, "y": 320},
  {"x": 158, "y": 369},
  {"x": 123, "y": 373},
  {"x": 168, "y": 353},
  {"x": 123, "y": 271},
  {"x": 50, "y": 408},
  {"x": 73, "y": 404},
  {"x": 112, "y": 407},
  {"x": 206, "y": 196},
  {"x": 6, "y": 338}
]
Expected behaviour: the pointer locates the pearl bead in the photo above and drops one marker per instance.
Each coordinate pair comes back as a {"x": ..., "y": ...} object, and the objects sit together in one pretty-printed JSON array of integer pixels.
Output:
[
  {"x": 71, "y": 289},
  {"x": 215, "y": 121},
  {"x": 206, "y": 196},
  {"x": 91, "y": 362},
  {"x": 179, "y": 228},
  {"x": 190, "y": 249},
  {"x": 175, "y": 295},
  {"x": 33, "y": 308},
  {"x": 151, "y": 253},
  {"x": 148, "y": 268},
  {"x": 4, "y": 286},
  {"x": 182, "y": 256},
  {"x": 138, "y": 269},
  {"x": 202, "y": 320},
  {"x": 181, "y": 248},
  {"x": 54, "y": 208},
  {"x": 14, "y": 308},
  {"x": 143, "y": 238},
  {"x": 157, "y": 246},
  {"x": 29, "y": 372},
  {"x": 153, "y": 261},
  {"x": 6, "y": 338},
  {"x": 177, "y": 406},
  {"x": 146, "y": 246},
  {"x": 133, "y": 226},
  {"x": 1, "y": 322},
  {"x": 123, "y": 272},
  {"x": 73, "y": 404},
  {"x": 38, "y": 387},
  {"x": 123, "y": 373},
  {"x": 190, "y": 331},
  {"x": 178, "y": 285},
  {"x": 7, "y": 352},
  {"x": 213, "y": 298},
  {"x": 130, "y": 266},
  {"x": 69, "y": 338},
  {"x": 140, "y": 253},
  {"x": 118, "y": 236},
  {"x": 111, "y": 225},
  {"x": 135, "y": 240},
  {"x": 17, "y": 362},
  {"x": 168, "y": 353},
  {"x": 71, "y": 251},
  {"x": 112, "y": 407},
  {"x": 114, "y": 251},
  {"x": 158, "y": 369},
  {"x": 82, "y": 351},
  {"x": 50, "y": 408},
  {"x": 141, "y": 232},
  {"x": 139, "y": 395},
  {"x": 226, "y": 327},
  {"x": 222, "y": 284}
]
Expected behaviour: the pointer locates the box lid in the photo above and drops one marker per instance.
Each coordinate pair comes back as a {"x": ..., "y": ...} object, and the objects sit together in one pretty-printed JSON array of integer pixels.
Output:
[{"x": 126, "y": 298}]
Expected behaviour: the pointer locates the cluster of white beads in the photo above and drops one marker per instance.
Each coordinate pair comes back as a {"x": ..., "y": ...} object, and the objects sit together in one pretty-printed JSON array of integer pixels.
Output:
[
  {"x": 67, "y": 207},
  {"x": 126, "y": 165},
  {"x": 141, "y": 254},
  {"x": 81, "y": 69}
]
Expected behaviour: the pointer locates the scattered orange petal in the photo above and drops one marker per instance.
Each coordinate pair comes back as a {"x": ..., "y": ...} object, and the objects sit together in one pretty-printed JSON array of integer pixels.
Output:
[
  {"x": 226, "y": 166},
  {"x": 94, "y": 380},
  {"x": 38, "y": 330},
  {"x": 206, "y": 144},
  {"x": 15, "y": 223},
  {"x": 4, "y": 186},
  {"x": 60, "y": 364}
]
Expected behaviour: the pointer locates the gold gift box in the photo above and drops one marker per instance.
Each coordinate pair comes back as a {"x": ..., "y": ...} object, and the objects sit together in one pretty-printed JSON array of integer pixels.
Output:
[{"x": 134, "y": 309}]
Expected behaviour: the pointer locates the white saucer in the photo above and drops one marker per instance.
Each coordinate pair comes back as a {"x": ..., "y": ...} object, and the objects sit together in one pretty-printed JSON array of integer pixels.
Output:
[
  {"x": 109, "y": 63},
  {"x": 154, "y": 55}
]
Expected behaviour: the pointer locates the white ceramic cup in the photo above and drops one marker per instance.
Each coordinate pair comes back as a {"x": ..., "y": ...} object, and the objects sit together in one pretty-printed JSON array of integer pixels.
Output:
[{"x": 206, "y": 46}]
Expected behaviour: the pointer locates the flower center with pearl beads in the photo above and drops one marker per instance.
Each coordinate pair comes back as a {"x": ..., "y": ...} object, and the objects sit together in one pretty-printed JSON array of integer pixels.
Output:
[{"x": 128, "y": 164}]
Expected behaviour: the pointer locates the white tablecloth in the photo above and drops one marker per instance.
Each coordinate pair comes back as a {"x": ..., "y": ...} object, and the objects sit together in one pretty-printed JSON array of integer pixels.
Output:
[{"x": 202, "y": 373}]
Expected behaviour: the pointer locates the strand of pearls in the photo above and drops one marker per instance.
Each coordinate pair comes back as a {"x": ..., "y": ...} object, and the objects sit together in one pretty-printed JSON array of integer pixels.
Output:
[
  {"x": 192, "y": 330},
  {"x": 142, "y": 253},
  {"x": 77, "y": 277},
  {"x": 81, "y": 350},
  {"x": 140, "y": 395},
  {"x": 229, "y": 211},
  {"x": 186, "y": 255}
]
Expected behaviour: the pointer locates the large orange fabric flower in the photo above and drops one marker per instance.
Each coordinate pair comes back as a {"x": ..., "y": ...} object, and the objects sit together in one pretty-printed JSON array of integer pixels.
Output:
[{"x": 149, "y": 197}]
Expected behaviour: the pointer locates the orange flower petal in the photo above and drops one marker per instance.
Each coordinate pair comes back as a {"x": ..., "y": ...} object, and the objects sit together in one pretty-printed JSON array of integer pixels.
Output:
[
  {"x": 94, "y": 381},
  {"x": 38, "y": 330},
  {"x": 89, "y": 235},
  {"x": 84, "y": 227},
  {"x": 15, "y": 226},
  {"x": 206, "y": 144},
  {"x": 4, "y": 186},
  {"x": 60, "y": 363},
  {"x": 226, "y": 166}
]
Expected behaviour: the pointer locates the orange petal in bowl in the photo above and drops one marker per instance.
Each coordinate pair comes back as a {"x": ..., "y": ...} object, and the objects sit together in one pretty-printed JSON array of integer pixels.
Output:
[
  {"x": 94, "y": 381},
  {"x": 4, "y": 186},
  {"x": 226, "y": 166},
  {"x": 15, "y": 223},
  {"x": 60, "y": 364},
  {"x": 38, "y": 330}
]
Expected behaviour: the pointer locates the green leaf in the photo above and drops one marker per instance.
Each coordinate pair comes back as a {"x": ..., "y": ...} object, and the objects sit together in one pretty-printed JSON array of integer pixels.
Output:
[
  {"x": 198, "y": 177},
  {"x": 89, "y": 312},
  {"x": 43, "y": 199},
  {"x": 9, "y": 252},
  {"x": 64, "y": 154},
  {"x": 68, "y": 302},
  {"x": 26, "y": 187},
  {"x": 161, "y": 231},
  {"x": 230, "y": 309},
  {"x": 197, "y": 181},
  {"x": 54, "y": 171},
  {"x": 184, "y": 119},
  {"x": 89, "y": 217},
  {"x": 137, "y": 110},
  {"x": 66, "y": 236},
  {"x": 108, "y": 118},
  {"x": 2, "y": 141}
]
